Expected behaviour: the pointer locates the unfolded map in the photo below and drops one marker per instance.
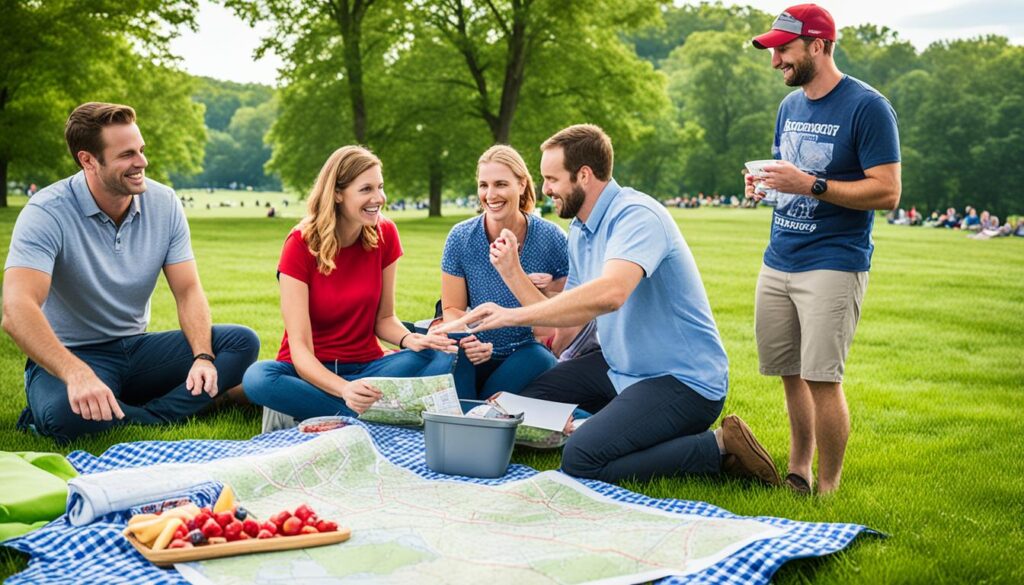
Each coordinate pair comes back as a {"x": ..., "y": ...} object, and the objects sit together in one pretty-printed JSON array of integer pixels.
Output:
[{"x": 406, "y": 529}]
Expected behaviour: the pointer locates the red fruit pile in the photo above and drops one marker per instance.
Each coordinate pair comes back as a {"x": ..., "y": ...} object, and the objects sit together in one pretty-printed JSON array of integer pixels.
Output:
[{"x": 208, "y": 527}]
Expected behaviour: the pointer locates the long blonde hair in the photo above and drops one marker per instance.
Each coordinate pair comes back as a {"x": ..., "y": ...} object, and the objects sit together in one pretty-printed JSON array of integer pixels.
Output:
[
  {"x": 319, "y": 227},
  {"x": 510, "y": 157}
]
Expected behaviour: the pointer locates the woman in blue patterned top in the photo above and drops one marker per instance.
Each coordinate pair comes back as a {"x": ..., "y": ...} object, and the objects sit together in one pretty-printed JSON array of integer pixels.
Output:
[{"x": 508, "y": 256}]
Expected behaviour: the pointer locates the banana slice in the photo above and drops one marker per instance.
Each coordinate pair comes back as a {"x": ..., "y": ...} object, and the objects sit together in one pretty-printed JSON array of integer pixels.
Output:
[{"x": 167, "y": 534}]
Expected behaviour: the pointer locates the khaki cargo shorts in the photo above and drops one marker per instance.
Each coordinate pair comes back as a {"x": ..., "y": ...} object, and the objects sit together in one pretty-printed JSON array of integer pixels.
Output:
[{"x": 804, "y": 321}]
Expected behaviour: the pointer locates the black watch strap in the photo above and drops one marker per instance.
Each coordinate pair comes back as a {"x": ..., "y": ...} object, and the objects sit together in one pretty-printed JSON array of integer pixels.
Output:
[{"x": 203, "y": 356}]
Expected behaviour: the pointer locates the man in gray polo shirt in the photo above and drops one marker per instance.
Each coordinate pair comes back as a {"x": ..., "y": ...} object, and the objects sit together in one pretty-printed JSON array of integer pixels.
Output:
[{"x": 84, "y": 259}]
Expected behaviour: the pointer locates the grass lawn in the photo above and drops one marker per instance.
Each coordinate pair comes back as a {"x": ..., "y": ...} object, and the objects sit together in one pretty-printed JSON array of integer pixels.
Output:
[{"x": 935, "y": 382}]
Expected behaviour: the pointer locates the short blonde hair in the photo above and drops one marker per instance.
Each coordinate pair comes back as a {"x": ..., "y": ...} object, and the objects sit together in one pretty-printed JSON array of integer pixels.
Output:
[
  {"x": 510, "y": 157},
  {"x": 319, "y": 227}
]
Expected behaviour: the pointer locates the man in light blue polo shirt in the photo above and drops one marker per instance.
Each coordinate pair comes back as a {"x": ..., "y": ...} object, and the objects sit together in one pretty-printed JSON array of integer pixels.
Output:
[
  {"x": 661, "y": 378},
  {"x": 83, "y": 262}
]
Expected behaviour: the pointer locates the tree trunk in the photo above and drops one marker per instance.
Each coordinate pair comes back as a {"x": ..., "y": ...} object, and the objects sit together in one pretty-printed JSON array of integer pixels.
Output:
[
  {"x": 515, "y": 68},
  {"x": 436, "y": 181},
  {"x": 3, "y": 182},
  {"x": 350, "y": 23}
]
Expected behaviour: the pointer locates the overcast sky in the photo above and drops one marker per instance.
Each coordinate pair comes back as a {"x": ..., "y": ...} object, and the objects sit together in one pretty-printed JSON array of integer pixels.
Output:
[{"x": 224, "y": 45}]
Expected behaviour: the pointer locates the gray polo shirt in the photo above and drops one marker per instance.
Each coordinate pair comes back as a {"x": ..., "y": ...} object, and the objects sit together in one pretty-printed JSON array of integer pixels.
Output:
[{"x": 102, "y": 276}]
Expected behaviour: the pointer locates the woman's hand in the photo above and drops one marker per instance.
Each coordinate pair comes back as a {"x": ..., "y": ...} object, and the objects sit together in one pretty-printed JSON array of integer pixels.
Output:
[
  {"x": 505, "y": 252},
  {"x": 358, "y": 395},
  {"x": 432, "y": 340},
  {"x": 477, "y": 351}
]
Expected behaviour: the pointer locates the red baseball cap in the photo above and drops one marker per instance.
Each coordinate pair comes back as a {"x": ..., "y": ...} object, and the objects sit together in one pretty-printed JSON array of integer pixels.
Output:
[{"x": 802, "y": 20}]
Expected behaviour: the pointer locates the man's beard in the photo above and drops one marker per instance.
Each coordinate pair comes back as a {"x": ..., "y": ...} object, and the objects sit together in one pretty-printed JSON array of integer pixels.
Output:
[
  {"x": 572, "y": 203},
  {"x": 803, "y": 73}
]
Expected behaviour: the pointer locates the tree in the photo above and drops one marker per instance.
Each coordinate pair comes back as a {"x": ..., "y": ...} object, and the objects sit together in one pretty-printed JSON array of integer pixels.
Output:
[
  {"x": 726, "y": 87},
  {"x": 654, "y": 43},
  {"x": 350, "y": 34},
  {"x": 45, "y": 72},
  {"x": 502, "y": 46}
]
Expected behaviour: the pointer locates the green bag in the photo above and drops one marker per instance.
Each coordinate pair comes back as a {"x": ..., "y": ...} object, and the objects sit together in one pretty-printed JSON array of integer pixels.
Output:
[{"x": 33, "y": 490}]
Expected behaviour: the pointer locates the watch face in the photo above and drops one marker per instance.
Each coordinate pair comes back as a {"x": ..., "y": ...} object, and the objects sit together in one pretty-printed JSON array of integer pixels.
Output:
[{"x": 819, "y": 186}]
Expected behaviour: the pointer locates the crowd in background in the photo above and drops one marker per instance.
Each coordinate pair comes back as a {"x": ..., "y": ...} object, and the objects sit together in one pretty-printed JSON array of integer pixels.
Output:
[{"x": 981, "y": 226}]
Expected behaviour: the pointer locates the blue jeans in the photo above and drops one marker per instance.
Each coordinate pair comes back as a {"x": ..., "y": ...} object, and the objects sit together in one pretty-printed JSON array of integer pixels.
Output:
[
  {"x": 507, "y": 374},
  {"x": 147, "y": 375},
  {"x": 656, "y": 427},
  {"x": 277, "y": 385}
]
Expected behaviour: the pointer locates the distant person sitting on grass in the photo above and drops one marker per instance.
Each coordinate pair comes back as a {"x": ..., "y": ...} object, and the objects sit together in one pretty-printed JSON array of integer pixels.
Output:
[
  {"x": 972, "y": 222},
  {"x": 661, "y": 379},
  {"x": 337, "y": 274},
  {"x": 1019, "y": 230},
  {"x": 489, "y": 258},
  {"x": 84, "y": 259}
]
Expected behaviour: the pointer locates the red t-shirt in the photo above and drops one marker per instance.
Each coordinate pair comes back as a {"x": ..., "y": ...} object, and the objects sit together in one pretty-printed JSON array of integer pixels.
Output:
[{"x": 343, "y": 304}]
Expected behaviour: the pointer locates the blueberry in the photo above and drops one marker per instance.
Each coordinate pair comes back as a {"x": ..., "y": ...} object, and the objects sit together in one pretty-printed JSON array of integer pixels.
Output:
[
  {"x": 197, "y": 537},
  {"x": 241, "y": 513}
]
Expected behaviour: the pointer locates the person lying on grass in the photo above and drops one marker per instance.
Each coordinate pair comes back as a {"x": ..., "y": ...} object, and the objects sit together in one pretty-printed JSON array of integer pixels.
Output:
[
  {"x": 660, "y": 380},
  {"x": 337, "y": 275}
]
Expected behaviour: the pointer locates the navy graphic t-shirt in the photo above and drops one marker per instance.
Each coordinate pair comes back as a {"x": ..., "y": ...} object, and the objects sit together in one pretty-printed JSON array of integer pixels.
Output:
[{"x": 836, "y": 137}]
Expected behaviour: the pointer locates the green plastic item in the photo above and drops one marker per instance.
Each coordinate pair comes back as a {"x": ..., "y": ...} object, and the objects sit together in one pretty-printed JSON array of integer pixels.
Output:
[{"x": 33, "y": 490}]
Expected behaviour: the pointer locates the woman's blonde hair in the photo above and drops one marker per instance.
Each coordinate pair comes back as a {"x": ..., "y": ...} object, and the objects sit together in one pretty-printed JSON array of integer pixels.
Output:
[
  {"x": 319, "y": 227},
  {"x": 508, "y": 156}
]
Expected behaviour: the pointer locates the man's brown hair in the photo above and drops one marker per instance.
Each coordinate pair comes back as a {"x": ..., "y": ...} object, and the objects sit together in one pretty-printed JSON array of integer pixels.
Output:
[
  {"x": 84, "y": 129},
  {"x": 828, "y": 44},
  {"x": 584, "y": 145}
]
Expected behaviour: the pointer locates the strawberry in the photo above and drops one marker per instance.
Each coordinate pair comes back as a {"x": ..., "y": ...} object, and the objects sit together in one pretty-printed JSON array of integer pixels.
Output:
[
  {"x": 326, "y": 526},
  {"x": 291, "y": 526},
  {"x": 269, "y": 527},
  {"x": 308, "y": 530},
  {"x": 251, "y": 527},
  {"x": 224, "y": 518},
  {"x": 264, "y": 534},
  {"x": 181, "y": 532},
  {"x": 243, "y": 536},
  {"x": 310, "y": 520},
  {"x": 179, "y": 543},
  {"x": 212, "y": 529},
  {"x": 206, "y": 510},
  {"x": 232, "y": 530},
  {"x": 201, "y": 518},
  {"x": 303, "y": 511}
]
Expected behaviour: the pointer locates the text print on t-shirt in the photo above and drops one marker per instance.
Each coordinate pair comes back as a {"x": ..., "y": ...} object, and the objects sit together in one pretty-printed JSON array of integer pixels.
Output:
[{"x": 800, "y": 144}]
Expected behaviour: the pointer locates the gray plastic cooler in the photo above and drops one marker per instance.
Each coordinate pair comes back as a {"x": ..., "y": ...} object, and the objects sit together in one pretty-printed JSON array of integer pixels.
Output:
[{"x": 476, "y": 447}]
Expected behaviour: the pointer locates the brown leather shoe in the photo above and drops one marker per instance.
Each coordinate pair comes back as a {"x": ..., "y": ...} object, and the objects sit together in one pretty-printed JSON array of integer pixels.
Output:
[{"x": 744, "y": 455}]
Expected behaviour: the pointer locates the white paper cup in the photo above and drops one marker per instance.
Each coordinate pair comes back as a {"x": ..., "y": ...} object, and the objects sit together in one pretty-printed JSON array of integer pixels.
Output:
[{"x": 756, "y": 168}]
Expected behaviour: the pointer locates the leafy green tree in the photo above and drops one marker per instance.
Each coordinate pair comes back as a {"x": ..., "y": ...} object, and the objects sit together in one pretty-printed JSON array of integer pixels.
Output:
[
  {"x": 654, "y": 43},
  {"x": 349, "y": 36},
  {"x": 223, "y": 98},
  {"x": 719, "y": 82},
  {"x": 45, "y": 71}
]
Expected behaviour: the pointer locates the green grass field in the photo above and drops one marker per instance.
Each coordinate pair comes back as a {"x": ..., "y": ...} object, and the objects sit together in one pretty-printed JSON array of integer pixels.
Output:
[{"x": 935, "y": 382}]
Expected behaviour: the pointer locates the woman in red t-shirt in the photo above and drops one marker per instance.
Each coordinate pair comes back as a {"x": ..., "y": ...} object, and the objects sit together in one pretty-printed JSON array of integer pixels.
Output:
[{"x": 337, "y": 275}]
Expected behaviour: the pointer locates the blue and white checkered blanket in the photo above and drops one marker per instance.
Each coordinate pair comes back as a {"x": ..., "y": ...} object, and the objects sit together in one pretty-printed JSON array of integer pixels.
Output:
[{"x": 96, "y": 553}]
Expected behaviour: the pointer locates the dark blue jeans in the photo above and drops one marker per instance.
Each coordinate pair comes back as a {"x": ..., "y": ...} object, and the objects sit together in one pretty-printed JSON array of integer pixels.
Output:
[
  {"x": 657, "y": 427},
  {"x": 277, "y": 385},
  {"x": 508, "y": 374},
  {"x": 147, "y": 375}
]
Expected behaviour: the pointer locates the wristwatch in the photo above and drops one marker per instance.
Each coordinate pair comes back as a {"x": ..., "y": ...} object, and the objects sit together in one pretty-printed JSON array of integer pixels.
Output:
[
  {"x": 203, "y": 356},
  {"x": 820, "y": 186}
]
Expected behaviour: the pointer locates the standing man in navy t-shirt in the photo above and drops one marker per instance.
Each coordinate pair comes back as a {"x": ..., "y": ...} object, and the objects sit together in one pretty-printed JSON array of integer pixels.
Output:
[{"x": 838, "y": 147}]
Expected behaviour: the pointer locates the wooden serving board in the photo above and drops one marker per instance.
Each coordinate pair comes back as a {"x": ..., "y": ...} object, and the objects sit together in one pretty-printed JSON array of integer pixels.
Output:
[{"x": 167, "y": 557}]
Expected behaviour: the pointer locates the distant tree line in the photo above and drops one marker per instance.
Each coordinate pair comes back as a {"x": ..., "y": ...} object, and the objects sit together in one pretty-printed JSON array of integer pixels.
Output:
[{"x": 430, "y": 84}]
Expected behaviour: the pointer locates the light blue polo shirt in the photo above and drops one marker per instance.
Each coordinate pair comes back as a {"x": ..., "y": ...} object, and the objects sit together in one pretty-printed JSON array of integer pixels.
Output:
[
  {"x": 666, "y": 326},
  {"x": 102, "y": 276}
]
